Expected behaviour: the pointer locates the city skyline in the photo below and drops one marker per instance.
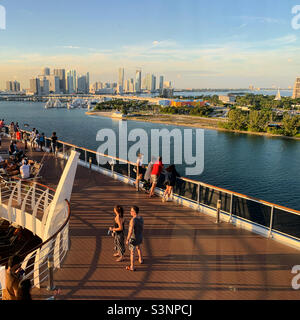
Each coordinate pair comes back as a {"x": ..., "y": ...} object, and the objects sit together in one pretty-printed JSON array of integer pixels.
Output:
[{"x": 195, "y": 44}]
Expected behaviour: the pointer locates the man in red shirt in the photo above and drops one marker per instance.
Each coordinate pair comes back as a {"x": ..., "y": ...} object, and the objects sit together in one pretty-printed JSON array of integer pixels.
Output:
[{"x": 155, "y": 173}]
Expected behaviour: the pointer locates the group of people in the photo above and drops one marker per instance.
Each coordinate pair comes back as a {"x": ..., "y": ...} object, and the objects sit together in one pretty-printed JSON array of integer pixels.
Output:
[
  {"x": 152, "y": 174},
  {"x": 134, "y": 237}
]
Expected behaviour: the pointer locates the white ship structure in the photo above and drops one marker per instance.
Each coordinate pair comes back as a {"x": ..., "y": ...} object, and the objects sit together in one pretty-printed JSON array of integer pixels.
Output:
[{"x": 54, "y": 103}]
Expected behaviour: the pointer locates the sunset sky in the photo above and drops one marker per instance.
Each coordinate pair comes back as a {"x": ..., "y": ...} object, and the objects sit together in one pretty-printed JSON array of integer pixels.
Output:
[{"x": 193, "y": 43}]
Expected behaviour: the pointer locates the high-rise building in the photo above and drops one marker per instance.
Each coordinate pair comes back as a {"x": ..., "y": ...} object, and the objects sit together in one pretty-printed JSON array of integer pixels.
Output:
[
  {"x": 296, "y": 91},
  {"x": 121, "y": 81},
  {"x": 138, "y": 81},
  {"x": 88, "y": 82},
  {"x": 46, "y": 71},
  {"x": 35, "y": 87},
  {"x": 44, "y": 85},
  {"x": 71, "y": 82},
  {"x": 54, "y": 84},
  {"x": 13, "y": 86},
  {"x": 153, "y": 83},
  {"x": 161, "y": 84},
  {"x": 82, "y": 85},
  {"x": 61, "y": 73},
  {"x": 148, "y": 81}
]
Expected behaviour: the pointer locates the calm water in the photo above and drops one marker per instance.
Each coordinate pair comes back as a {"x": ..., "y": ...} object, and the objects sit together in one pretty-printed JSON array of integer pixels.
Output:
[{"x": 265, "y": 168}]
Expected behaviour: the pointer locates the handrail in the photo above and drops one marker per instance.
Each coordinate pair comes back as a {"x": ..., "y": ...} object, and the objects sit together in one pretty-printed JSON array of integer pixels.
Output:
[
  {"x": 240, "y": 195},
  {"x": 199, "y": 183}
]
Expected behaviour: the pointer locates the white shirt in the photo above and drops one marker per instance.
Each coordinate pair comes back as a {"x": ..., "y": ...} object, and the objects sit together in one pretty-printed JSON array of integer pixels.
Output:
[{"x": 25, "y": 171}]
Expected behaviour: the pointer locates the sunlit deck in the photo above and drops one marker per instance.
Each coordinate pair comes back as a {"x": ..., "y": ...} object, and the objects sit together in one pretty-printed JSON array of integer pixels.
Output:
[{"x": 187, "y": 255}]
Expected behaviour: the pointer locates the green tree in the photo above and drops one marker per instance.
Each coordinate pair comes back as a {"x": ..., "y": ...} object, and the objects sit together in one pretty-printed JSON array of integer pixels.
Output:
[
  {"x": 237, "y": 120},
  {"x": 291, "y": 125}
]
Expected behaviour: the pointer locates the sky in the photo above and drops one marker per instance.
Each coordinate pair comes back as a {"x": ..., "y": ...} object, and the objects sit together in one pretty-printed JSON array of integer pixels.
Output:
[{"x": 193, "y": 43}]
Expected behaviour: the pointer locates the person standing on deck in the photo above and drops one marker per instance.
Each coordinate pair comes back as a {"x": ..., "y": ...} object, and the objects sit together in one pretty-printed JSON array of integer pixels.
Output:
[
  {"x": 135, "y": 237},
  {"x": 156, "y": 171},
  {"x": 54, "y": 143}
]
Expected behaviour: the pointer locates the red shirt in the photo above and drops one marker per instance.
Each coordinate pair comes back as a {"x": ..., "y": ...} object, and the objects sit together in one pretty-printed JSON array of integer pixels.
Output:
[{"x": 157, "y": 168}]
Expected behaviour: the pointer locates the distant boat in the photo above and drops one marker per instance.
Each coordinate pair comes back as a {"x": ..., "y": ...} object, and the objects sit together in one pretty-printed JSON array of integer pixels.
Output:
[
  {"x": 77, "y": 103},
  {"x": 54, "y": 103}
]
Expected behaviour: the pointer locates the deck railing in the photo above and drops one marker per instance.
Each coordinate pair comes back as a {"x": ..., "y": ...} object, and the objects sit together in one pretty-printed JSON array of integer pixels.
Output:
[
  {"x": 269, "y": 216},
  {"x": 33, "y": 198}
]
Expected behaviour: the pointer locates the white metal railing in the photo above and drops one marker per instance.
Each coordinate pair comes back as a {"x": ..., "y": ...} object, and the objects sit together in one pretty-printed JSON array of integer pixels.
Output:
[{"x": 35, "y": 199}]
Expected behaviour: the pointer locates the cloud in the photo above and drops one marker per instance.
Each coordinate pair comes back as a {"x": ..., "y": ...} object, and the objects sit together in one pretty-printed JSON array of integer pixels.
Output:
[{"x": 71, "y": 47}]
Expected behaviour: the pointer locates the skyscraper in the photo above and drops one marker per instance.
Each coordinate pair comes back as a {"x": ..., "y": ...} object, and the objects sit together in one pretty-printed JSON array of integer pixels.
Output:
[
  {"x": 296, "y": 91},
  {"x": 153, "y": 83},
  {"x": 88, "y": 82},
  {"x": 121, "y": 80},
  {"x": 82, "y": 84},
  {"x": 35, "y": 87},
  {"x": 71, "y": 82},
  {"x": 61, "y": 73},
  {"x": 161, "y": 84},
  {"x": 54, "y": 84},
  {"x": 138, "y": 81},
  {"x": 13, "y": 86}
]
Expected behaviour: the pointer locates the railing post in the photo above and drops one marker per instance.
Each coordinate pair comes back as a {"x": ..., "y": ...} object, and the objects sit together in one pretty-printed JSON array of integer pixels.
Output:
[
  {"x": 218, "y": 211},
  {"x": 85, "y": 156},
  {"x": 128, "y": 170},
  {"x": 271, "y": 221},
  {"x": 112, "y": 166},
  {"x": 231, "y": 207},
  {"x": 50, "y": 274},
  {"x": 198, "y": 194}
]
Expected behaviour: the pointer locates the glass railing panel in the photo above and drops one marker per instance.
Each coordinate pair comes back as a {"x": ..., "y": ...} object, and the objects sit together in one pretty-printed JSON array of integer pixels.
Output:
[
  {"x": 286, "y": 222},
  {"x": 121, "y": 168},
  {"x": 186, "y": 189},
  {"x": 252, "y": 210}
]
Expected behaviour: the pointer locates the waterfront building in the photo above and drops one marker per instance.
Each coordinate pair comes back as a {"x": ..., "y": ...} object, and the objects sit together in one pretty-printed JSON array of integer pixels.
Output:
[
  {"x": 121, "y": 81},
  {"x": 296, "y": 91},
  {"x": 61, "y": 73},
  {"x": 87, "y": 82},
  {"x": 148, "y": 81},
  {"x": 13, "y": 86},
  {"x": 54, "y": 84},
  {"x": 35, "y": 86},
  {"x": 44, "y": 86},
  {"x": 138, "y": 81},
  {"x": 82, "y": 85},
  {"x": 153, "y": 83},
  {"x": 71, "y": 81},
  {"x": 168, "y": 93},
  {"x": 161, "y": 84}
]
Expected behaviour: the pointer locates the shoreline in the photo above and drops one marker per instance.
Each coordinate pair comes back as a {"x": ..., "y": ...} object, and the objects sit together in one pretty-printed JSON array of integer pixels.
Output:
[{"x": 196, "y": 122}]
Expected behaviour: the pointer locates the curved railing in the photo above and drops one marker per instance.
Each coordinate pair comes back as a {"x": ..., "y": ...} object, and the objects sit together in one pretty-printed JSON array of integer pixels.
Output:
[{"x": 27, "y": 204}]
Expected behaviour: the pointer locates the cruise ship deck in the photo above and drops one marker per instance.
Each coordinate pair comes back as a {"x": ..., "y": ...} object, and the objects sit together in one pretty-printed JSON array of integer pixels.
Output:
[{"x": 186, "y": 254}]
